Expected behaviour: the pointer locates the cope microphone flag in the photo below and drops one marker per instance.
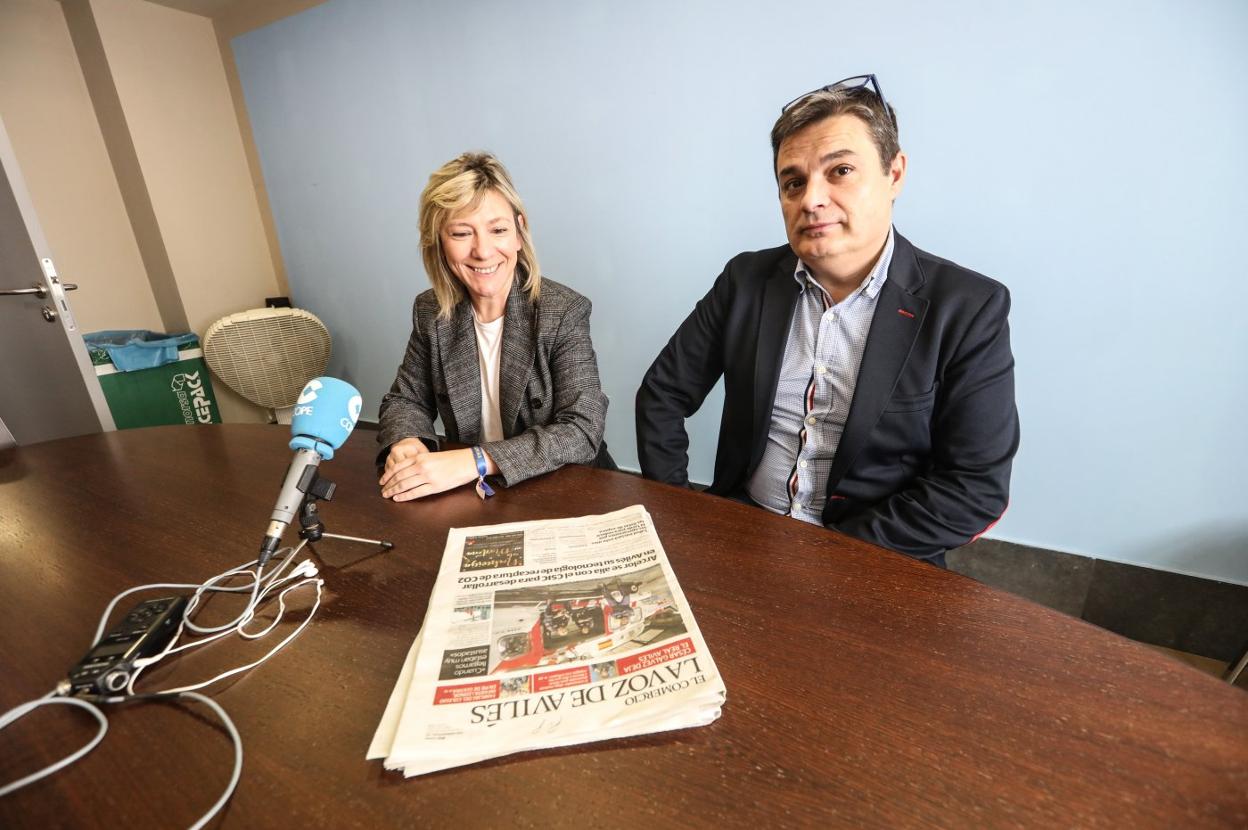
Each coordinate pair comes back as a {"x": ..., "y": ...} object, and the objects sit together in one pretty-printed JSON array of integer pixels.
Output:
[{"x": 324, "y": 416}]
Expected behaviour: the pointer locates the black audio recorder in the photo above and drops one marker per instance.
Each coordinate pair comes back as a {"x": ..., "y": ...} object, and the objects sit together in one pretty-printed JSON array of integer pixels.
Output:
[{"x": 107, "y": 667}]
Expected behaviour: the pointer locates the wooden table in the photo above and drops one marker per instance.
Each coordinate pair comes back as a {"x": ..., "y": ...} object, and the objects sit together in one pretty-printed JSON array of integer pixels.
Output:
[{"x": 864, "y": 689}]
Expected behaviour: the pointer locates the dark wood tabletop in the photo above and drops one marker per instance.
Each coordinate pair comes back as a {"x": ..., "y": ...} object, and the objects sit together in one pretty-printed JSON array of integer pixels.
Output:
[{"x": 864, "y": 689}]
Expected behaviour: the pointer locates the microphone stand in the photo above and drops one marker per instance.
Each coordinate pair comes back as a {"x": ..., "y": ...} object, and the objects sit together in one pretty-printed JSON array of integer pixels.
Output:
[{"x": 312, "y": 528}]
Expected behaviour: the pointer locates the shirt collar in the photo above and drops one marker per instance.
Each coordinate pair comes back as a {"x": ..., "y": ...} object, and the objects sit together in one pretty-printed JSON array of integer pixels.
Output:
[{"x": 870, "y": 285}]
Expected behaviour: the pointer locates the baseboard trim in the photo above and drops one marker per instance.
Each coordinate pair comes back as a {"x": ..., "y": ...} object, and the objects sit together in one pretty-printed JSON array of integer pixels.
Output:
[{"x": 1180, "y": 611}]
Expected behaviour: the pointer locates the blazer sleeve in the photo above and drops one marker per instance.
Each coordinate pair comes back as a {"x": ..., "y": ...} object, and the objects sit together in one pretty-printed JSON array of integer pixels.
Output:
[
  {"x": 975, "y": 433},
  {"x": 408, "y": 410},
  {"x": 677, "y": 383},
  {"x": 574, "y": 431}
]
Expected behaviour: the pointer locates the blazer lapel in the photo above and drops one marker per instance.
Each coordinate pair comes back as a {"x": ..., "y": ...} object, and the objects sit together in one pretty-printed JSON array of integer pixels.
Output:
[
  {"x": 462, "y": 369},
  {"x": 516, "y": 361},
  {"x": 779, "y": 297},
  {"x": 888, "y": 348}
]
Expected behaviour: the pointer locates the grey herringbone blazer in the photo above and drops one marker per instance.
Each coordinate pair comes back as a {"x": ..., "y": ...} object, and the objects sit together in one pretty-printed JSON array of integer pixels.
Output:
[{"x": 552, "y": 407}]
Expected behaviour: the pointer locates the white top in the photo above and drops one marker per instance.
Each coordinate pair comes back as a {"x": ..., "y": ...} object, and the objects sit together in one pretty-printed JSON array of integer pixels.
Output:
[{"x": 490, "y": 352}]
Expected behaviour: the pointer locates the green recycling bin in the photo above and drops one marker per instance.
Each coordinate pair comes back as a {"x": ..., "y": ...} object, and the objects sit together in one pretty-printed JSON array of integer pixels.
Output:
[{"x": 150, "y": 379}]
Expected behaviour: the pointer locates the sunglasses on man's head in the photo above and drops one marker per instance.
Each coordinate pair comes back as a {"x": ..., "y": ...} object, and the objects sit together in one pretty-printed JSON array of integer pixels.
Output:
[{"x": 853, "y": 82}]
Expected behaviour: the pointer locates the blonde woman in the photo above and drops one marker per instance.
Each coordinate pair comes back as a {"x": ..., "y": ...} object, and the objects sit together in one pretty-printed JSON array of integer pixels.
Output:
[{"x": 500, "y": 353}]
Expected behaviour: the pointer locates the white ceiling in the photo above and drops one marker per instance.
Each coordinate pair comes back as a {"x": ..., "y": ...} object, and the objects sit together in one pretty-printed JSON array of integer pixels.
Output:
[{"x": 206, "y": 8}]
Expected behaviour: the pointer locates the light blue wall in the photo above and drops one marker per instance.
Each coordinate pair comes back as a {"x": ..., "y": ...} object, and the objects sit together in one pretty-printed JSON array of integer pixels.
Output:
[{"x": 1091, "y": 155}]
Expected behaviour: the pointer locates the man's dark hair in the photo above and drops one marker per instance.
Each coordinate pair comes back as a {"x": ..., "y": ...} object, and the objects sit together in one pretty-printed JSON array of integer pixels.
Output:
[{"x": 860, "y": 102}]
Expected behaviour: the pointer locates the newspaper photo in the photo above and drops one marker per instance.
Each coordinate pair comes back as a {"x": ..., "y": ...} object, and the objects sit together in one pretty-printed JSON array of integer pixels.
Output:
[{"x": 548, "y": 633}]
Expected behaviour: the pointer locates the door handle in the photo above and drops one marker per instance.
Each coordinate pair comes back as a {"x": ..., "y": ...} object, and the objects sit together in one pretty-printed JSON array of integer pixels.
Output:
[{"x": 37, "y": 289}]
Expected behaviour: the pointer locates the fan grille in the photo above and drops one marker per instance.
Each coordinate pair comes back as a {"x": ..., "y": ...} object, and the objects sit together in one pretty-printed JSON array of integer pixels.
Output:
[{"x": 268, "y": 355}]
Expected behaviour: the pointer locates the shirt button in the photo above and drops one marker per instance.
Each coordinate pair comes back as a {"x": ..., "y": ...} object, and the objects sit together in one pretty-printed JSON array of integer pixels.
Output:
[
  {"x": 802, "y": 465},
  {"x": 821, "y": 369},
  {"x": 811, "y": 420}
]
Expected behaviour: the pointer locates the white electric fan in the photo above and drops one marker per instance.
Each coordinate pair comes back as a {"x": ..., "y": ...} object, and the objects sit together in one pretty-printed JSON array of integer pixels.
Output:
[{"x": 268, "y": 355}]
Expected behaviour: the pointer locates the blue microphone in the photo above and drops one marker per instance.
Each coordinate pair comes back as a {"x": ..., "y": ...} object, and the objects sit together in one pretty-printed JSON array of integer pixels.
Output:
[{"x": 324, "y": 416}]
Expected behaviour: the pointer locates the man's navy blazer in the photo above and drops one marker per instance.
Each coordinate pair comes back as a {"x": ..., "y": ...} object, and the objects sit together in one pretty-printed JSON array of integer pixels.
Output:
[{"x": 924, "y": 461}]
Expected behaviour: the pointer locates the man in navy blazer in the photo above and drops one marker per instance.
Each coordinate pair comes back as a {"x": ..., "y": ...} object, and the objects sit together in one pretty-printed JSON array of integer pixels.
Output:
[{"x": 869, "y": 385}]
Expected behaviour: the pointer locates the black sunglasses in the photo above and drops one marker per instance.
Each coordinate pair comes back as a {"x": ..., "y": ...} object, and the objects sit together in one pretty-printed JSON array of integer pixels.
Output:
[{"x": 853, "y": 82}]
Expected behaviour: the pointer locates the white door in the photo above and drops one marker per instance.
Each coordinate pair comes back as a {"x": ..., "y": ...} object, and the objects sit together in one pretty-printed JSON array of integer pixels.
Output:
[{"x": 47, "y": 386}]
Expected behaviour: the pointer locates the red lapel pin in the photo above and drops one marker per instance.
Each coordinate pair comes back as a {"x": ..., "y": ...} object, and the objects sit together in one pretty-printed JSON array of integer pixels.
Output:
[{"x": 905, "y": 313}]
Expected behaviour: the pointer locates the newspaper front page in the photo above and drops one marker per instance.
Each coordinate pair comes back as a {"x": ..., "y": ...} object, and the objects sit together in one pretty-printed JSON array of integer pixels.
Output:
[{"x": 548, "y": 633}]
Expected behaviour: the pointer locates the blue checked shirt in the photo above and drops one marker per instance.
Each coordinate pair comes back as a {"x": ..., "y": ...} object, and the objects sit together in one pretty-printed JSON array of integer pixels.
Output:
[{"x": 816, "y": 387}]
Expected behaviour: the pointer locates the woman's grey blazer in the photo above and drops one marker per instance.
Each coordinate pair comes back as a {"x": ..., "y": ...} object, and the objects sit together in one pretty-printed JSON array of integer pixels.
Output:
[{"x": 551, "y": 405}]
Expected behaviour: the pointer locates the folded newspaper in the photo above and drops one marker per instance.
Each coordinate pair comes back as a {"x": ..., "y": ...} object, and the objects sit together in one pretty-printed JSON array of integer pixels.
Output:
[{"x": 544, "y": 634}]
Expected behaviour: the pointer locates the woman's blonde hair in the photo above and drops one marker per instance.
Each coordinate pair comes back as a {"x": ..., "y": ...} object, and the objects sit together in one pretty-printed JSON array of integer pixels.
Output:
[{"x": 458, "y": 185}]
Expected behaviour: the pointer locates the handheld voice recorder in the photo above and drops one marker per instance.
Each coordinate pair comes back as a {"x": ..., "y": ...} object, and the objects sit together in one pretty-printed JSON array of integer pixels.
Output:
[{"x": 107, "y": 667}]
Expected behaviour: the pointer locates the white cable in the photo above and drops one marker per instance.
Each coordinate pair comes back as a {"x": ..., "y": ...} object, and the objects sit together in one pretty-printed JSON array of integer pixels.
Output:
[
  {"x": 243, "y": 570},
  {"x": 258, "y": 580},
  {"x": 318, "y": 583},
  {"x": 199, "y": 587},
  {"x": 273, "y": 581},
  {"x": 260, "y": 586},
  {"x": 192, "y": 604},
  {"x": 281, "y": 611},
  {"x": 24, "y": 709},
  {"x": 305, "y": 573},
  {"x": 238, "y": 756}
]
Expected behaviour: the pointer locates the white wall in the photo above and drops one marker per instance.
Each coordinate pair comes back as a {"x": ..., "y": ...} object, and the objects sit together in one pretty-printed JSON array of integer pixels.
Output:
[
  {"x": 1089, "y": 155},
  {"x": 176, "y": 108},
  {"x": 60, "y": 148},
  {"x": 167, "y": 68}
]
